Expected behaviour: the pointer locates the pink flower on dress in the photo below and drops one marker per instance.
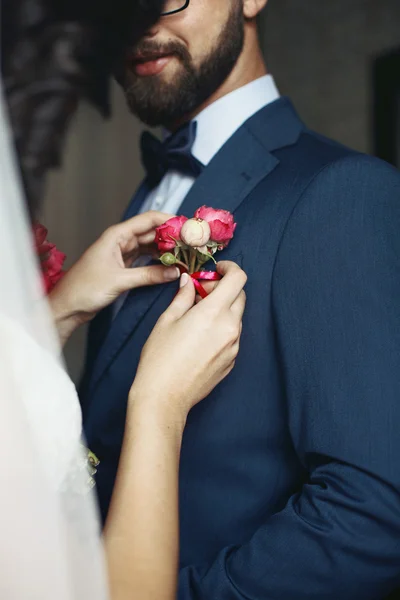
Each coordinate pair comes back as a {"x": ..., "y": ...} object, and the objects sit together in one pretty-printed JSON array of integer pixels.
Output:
[{"x": 51, "y": 259}]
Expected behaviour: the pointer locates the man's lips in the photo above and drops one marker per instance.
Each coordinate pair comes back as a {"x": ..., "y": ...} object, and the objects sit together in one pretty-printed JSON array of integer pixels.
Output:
[{"x": 150, "y": 65}]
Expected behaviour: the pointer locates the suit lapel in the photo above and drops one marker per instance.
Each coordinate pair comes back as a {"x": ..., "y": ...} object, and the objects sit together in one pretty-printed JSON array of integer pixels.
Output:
[
  {"x": 245, "y": 159},
  {"x": 233, "y": 173},
  {"x": 137, "y": 201}
]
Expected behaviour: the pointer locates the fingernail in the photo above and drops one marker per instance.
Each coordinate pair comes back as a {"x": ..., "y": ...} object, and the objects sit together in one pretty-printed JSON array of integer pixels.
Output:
[
  {"x": 184, "y": 279},
  {"x": 171, "y": 274}
]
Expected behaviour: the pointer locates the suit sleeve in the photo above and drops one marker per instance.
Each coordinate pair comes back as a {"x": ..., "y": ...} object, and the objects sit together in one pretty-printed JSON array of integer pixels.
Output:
[{"x": 336, "y": 299}]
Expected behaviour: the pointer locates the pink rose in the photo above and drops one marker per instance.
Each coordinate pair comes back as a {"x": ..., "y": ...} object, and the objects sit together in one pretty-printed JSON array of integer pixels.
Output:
[
  {"x": 167, "y": 233},
  {"x": 195, "y": 233},
  {"x": 221, "y": 223}
]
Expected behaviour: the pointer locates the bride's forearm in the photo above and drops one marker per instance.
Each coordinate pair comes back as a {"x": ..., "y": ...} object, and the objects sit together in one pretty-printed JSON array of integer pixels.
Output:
[
  {"x": 65, "y": 318},
  {"x": 141, "y": 534}
]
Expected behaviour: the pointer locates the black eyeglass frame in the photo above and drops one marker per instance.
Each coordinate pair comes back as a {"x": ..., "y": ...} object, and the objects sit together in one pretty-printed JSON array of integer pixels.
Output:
[{"x": 178, "y": 10}]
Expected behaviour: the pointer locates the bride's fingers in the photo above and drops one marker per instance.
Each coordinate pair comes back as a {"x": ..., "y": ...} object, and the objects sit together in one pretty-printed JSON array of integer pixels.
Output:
[
  {"x": 230, "y": 286},
  {"x": 183, "y": 300},
  {"x": 145, "y": 222},
  {"x": 239, "y": 305},
  {"x": 141, "y": 226},
  {"x": 146, "y": 238},
  {"x": 144, "y": 276},
  {"x": 209, "y": 286},
  {"x": 148, "y": 250}
]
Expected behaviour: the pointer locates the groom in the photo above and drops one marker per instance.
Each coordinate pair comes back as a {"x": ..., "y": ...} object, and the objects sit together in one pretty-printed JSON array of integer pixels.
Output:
[{"x": 290, "y": 476}]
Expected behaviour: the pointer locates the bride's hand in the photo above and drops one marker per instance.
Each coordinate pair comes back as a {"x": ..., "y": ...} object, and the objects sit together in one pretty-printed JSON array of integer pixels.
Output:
[
  {"x": 103, "y": 273},
  {"x": 192, "y": 347}
]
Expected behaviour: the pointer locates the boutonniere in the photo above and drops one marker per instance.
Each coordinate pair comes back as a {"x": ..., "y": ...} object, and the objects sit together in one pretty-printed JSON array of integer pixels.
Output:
[
  {"x": 50, "y": 258},
  {"x": 190, "y": 243}
]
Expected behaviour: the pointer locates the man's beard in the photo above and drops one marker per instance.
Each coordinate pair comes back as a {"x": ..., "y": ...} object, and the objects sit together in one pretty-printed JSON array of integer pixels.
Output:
[{"x": 157, "y": 102}]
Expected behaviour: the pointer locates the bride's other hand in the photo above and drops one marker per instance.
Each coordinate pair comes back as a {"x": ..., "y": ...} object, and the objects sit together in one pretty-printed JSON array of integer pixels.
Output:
[
  {"x": 103, "y": 272},
  {"x": 192, "y": 347}
]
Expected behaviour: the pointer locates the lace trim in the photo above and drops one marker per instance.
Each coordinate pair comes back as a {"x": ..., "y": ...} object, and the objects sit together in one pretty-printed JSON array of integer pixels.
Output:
[{"x": 92, "y": 462}]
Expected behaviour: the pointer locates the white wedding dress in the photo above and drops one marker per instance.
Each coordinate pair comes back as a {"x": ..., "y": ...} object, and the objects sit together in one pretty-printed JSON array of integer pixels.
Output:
[{"x": 50, "y": 546}]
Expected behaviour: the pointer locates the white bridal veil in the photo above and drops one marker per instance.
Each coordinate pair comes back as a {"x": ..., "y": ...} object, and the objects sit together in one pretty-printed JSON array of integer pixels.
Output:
[{"x": 50, "y": 545}]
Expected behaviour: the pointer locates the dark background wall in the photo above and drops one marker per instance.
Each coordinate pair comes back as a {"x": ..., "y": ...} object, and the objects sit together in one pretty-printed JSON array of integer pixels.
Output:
[{"x": 321, "y": 53}]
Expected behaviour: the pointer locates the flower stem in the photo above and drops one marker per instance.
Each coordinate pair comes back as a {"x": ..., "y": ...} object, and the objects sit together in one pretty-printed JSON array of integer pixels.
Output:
[
  {"x": 193, "y": 260},
  {"x": 182, "y": 264},
  {"x": 185, "y": 256}
]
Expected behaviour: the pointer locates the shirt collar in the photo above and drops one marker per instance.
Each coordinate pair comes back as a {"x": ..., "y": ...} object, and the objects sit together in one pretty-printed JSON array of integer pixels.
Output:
[{"x": 219, "y": 121}]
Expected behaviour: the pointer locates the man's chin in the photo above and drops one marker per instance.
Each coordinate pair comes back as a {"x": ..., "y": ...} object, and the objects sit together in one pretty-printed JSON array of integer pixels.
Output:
[{"x": 155, "y": 116}]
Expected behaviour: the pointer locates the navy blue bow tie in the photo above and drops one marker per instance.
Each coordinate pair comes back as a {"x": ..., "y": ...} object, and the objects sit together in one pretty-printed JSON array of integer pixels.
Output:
[{"x": 175, "y": 153}]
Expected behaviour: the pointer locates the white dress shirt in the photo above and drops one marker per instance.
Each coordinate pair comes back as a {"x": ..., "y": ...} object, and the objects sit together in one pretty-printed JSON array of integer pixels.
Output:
[{"x": 215, "y": 125}]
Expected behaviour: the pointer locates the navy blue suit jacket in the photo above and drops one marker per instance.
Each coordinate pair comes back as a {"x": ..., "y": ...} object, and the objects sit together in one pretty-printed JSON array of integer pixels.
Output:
[{"x": 290, "y": 474}]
